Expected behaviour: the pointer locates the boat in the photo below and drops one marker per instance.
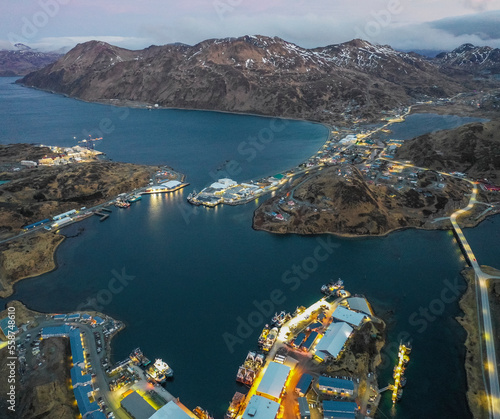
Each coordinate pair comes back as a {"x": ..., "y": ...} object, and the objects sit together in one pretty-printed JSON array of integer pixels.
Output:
[
  {"x": 263, "y": 335},
  {"x": 332, "y": 287},
  {"x": 248, "y": 371},
  {"x": 202, "y": 413},
  {"x": 235, "y": 406},
  {"x": 138, "y": 357},
  {"x": 403, "y": 381},
  {"x": 271, "y": 338},
  {"x": 134, "y": 198},
  {"x": 279, "y": 319},
  {"x": 160, "y": 371},
  {"x": 121, "y": 204},
  {"x": 240, "y": 376}
]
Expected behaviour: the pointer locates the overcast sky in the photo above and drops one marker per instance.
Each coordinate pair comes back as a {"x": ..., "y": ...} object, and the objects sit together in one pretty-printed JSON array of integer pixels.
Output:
[{"x": 403, "y": 24}]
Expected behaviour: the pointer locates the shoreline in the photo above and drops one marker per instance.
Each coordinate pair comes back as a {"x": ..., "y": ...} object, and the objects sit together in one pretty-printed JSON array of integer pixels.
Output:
[
  {"x": 476, "y": 393},
  {"x": 122, "y": 103}
]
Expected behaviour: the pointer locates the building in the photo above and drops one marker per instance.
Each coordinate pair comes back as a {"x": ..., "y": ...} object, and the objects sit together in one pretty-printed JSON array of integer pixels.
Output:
[
  {"x": 79, "y": 378},
  {"x": 56, "y": 331},
  {"x": 360, "y": 304},
  {"x": 76, "y": 344},
  {"x": 273, "y": 381},
  {"x": 309, "y": 342},
  {"x": 339, "y": 410},
  {"x": 333, "y": 341},
  {"x": 305, "y": 412},
  {"x": 173, "y": 411},
  {"x": 299, "y": 339},
  {"x": 303, "y": 385},
  {"x": 85, "y": 406},
  {"x": 345, "y": 315},
  {"x": 261, "y": 408},
  {"x": 137, "y": 408},
  {"x": 336, "y": 386}
]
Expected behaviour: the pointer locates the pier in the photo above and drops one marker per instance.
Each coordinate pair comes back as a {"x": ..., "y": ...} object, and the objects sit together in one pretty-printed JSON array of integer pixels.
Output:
[{"x": 102, "y": 215}]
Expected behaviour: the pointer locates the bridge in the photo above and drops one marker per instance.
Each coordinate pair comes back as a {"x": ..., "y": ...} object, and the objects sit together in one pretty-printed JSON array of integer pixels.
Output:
[{"x": 481, "y": 282}]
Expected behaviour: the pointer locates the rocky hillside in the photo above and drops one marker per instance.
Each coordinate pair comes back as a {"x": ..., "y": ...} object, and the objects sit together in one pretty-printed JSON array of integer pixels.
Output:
[
  {"x": 34, "y": 194},
  {"x": 24, "y": 60},
  {"x": 473, "y": 149},
  {"x": 348, "y": 205},
  {"x": 471, "y": 59},
  {"x": 254, "y": 74}
]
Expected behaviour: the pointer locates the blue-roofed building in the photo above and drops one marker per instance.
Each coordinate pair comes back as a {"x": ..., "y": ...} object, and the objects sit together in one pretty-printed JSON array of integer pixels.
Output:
[
  {"x": 8, "y": 327},
  {"x": 56, "y": 331},
  {"x": 86, "y": 317},
  {"x": 85, "y": 406},
  {"x": 299, "y": 339},
  {"x": 339, "y": 410},
  {"x": 307, "y": 345},
  {"x": 303, "y": 385},
  {"x": 304, "y": 410},
  {"x": 73, "y": 317},
  {"x": 75, "y": 341},
  {"x": 79, "y": 378},
  {"x": 315, "y": 325},
  {"x": 98, "y": 320},
  {"x": 336, "y": 386},
  {"x": 59, "y": 317}
]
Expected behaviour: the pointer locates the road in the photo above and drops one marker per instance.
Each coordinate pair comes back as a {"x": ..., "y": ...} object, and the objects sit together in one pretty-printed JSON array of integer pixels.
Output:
[{"x": 484, "y": 308}]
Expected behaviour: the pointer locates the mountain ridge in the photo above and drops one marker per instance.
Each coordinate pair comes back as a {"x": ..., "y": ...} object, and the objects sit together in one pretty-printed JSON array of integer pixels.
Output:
[{"x": 250, "y": 74}]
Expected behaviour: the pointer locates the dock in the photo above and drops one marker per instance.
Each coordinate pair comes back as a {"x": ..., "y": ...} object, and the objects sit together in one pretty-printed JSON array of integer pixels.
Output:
[{"x": 102, "y": 215}]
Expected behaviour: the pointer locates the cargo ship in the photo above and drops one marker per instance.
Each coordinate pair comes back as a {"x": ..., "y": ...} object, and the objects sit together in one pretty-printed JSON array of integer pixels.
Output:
[{"x": 160, "y": 371}]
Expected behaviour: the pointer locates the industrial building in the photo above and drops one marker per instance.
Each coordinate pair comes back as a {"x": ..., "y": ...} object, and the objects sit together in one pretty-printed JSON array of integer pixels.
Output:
[
  {"x": 359, "y": 304},
  {"x": 273, "y": 381},
  {"x": 336, "y": 386},
  {"x": 309, "y": 342},
  {"x": 345, "y": 315},
  {"x": 136, "y": 406},
  {"x": 261, "y": 408},
  {"x": 339, "y": 410},
  {"x": 172, "y": 411},
  {"x": 333, "y": 341},
  {"x": 303, "y": 385},
  {"x": 305, "y": 412}
]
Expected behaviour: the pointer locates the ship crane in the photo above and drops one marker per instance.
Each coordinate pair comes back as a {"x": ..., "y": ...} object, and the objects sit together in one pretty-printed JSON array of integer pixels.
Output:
[{"x": 89, "y": 143}]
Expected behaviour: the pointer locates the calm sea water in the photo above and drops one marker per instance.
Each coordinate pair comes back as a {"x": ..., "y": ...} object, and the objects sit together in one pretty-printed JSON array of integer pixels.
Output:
[{"x": 198, "y": 272}]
